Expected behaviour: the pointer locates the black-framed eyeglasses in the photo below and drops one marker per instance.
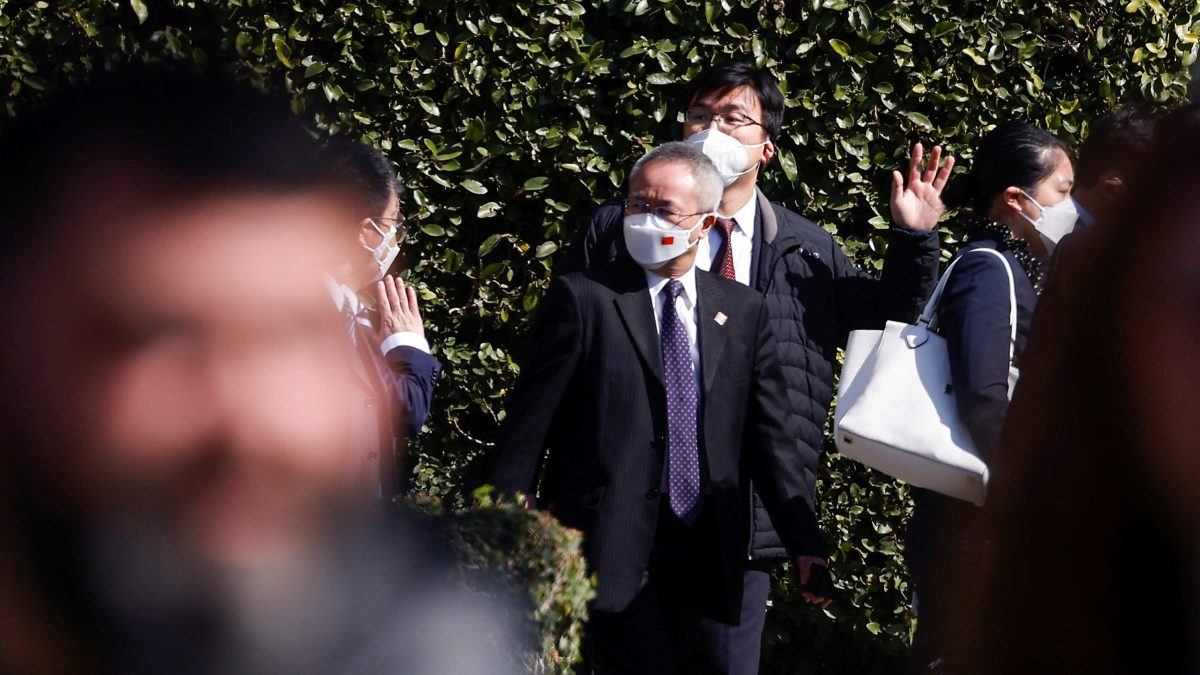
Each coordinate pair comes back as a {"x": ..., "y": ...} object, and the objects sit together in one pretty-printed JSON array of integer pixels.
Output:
[
  {"x": 725, "y": 121},
  {"x": 398, "y": 222},
  {"x": 634, "y": 207}
]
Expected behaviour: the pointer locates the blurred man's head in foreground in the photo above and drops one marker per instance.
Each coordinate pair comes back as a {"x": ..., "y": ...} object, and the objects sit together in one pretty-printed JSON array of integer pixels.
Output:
[{"x": 171, "y": 359}]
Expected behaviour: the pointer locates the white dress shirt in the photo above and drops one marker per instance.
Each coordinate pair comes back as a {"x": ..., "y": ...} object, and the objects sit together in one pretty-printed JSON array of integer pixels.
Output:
[
  {"x": 344, "y": 296},
  {"x": 743, "y": 242},
  {"x": 685, "y": 307}
]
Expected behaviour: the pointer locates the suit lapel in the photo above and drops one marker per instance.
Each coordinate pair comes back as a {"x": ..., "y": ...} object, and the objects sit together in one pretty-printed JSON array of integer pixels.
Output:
[
  {"x": 370, "y": 362},
  {"x": 710, "y": 325},
  {"x": 636, "y": 310}
]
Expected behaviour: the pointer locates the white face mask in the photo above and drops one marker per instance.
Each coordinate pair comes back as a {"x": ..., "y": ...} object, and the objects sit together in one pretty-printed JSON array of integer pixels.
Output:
[
  {"x": 725, "y": 151},
  {"x": 1055, "y": 222},
  {"x": 653, "y": 241},
  {"x": 385, "y": 253}
]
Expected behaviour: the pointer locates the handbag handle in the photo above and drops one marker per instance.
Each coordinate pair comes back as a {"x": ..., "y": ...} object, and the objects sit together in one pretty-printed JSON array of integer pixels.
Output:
[{"x": 927, "y": 315}]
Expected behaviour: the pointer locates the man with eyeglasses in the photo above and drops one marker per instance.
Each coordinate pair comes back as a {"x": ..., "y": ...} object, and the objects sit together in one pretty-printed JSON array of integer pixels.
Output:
[
  {"x": 814, "y": 294},
  {"x": 395, "y": 369},
  {"x": 653, "y": 392}
]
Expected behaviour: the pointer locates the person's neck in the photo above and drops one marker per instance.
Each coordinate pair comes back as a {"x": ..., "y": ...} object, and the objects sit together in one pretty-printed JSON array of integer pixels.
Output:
[
  {"x": 677, "y": 267},
  {"x": 738, "y": 194},
  {"x": 1089, "y": 201}
]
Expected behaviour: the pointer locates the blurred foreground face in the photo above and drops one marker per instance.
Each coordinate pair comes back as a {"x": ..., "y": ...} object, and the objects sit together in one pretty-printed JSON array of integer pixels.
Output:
[
  {"x": 1161, "y": 326},
  {"x": 187, "y": 374}
]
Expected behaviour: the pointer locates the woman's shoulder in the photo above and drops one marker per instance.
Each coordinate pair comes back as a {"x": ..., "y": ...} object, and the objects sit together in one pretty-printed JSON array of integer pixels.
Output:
[{"x": 979, "y": 265}]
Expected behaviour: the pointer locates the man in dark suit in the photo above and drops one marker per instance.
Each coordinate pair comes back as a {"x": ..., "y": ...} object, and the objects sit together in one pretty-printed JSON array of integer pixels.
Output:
[
  {"x": 656, "y": 389},
  {"x": 814, "y": 294},
  {"x": 395, "y": 371}
]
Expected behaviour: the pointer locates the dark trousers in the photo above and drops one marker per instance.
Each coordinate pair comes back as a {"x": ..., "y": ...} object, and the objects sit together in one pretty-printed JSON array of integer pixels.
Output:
[
  {"x": 658, "y": 633},
  {"x": 947, "y": 554},
  {"x": 735, "y": 650}
]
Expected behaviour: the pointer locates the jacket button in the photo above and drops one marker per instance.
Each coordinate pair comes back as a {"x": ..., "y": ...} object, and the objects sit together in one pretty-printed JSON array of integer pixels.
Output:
[
  {"x": 372, "y": 456},
  {"x": 653, "y": 493}
]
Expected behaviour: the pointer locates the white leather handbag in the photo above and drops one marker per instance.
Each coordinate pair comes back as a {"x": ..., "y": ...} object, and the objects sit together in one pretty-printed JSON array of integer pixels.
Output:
[{"x": 896, "y": 410}]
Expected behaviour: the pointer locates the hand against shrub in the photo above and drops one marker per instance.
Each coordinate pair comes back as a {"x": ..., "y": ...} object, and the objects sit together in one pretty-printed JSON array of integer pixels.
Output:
[{"x": 918, "y": 205}]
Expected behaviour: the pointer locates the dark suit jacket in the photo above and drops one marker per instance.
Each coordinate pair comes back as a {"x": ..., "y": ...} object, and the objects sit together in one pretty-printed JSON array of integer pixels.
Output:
[
  {"x": 399, "y": 387},
  {"x": 591, "y": 393},
  {"x": 815, "y": 296}
]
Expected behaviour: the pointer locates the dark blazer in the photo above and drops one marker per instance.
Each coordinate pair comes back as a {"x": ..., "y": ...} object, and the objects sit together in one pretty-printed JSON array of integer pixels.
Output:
[
  {"x": 591, "y": 393},
  {"x": 815, "y": 296},
  {"x": 398, "y": 388}
]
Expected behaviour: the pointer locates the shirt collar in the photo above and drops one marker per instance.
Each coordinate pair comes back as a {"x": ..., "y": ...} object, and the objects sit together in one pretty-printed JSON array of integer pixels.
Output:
[
  {"x": 657, "y": 283},
  {"x": 342, "y": 294},
  {"x": 744, "y": 217},
  {"x": 1086, "y": 218}
]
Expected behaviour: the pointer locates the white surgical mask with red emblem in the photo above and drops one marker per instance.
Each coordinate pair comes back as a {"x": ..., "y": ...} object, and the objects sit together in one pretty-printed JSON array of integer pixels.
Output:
[{"x": 654, "y": 241}]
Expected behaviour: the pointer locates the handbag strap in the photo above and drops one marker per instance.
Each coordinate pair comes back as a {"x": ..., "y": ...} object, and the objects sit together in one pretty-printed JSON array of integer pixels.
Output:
[{"x": 927, "y": 315}]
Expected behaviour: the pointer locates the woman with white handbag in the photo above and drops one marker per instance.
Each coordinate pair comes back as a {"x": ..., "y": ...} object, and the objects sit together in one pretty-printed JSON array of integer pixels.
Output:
[{"x": 1016, "y": 200}]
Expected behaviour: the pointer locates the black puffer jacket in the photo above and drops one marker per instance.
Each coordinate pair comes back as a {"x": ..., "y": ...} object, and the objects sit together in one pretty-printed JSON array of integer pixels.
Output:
[{"x": 815, "y": 297}]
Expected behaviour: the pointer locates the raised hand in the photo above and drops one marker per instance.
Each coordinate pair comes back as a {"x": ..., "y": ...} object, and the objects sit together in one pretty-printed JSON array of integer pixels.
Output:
[
  {"x": 918, "y": 205},
  {"x": 398, "y": 308}
]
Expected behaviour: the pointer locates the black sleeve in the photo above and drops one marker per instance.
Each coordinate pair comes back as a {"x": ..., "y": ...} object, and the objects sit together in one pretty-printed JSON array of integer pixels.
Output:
[
  {"x": 782, "y": 467},
  {"x": 599, "y": 243},
  {"x": 974, "y": 316},
  {"x": 910, "y": 271},
  {"x": 553, "y": 350}
]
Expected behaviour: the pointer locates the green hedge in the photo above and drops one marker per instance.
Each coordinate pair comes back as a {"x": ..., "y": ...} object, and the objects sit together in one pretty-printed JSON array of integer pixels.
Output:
[
  {"x": 509, "y": 121},
  {"x": 536, "y": 554}
]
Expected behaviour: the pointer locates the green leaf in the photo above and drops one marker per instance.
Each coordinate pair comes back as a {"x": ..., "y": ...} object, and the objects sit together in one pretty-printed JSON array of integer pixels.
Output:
[
  {"x": 429, "y": 106},
  {"x": 545, "y": 248},
  {"x": 840, "y": 47},
  {"x": 473, "y": 186},
  {"x": 919, "y": 119},
  {"x": 488, "y": 244},
  {"x": 284, "y": 53},
  {"x": 433, "y": 229},
  {"x": 242, "y": 44},
  {"x": 944, "y": 28},
  {"x": 488, "y": 210},
  {"x": 536, "y": 183},
  {"x": 139, "y": 8}
]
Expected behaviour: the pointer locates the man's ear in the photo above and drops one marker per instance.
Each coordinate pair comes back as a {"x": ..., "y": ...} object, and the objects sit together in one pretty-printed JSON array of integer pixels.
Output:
[
  {"x": 707, "y": 224},
  {"x": 367, "y": 236},
  {"x": 768, "y": 150},
  {"x": 1113, "y": 186}
]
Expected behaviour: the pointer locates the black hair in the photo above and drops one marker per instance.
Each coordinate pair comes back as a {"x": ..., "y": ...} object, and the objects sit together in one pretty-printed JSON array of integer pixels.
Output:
[
  {"x": 1120, "y": 141},
  {"x": 731, "y": 76},
  {"x": 1013, "y": 153},
  {"x": 367, "y": 172},
  {"x": 185, "y": 132},
  {"x": 1179, "y": 131}
]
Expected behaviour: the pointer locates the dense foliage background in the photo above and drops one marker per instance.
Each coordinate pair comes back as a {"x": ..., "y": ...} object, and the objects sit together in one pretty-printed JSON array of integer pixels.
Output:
[{"x": 510, "y": 120}]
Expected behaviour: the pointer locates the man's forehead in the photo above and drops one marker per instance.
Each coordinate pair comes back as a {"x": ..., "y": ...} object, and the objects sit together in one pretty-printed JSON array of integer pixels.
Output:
[
  {"x": 740, "y": 97},
  {"x": 665, "y": 181}
]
